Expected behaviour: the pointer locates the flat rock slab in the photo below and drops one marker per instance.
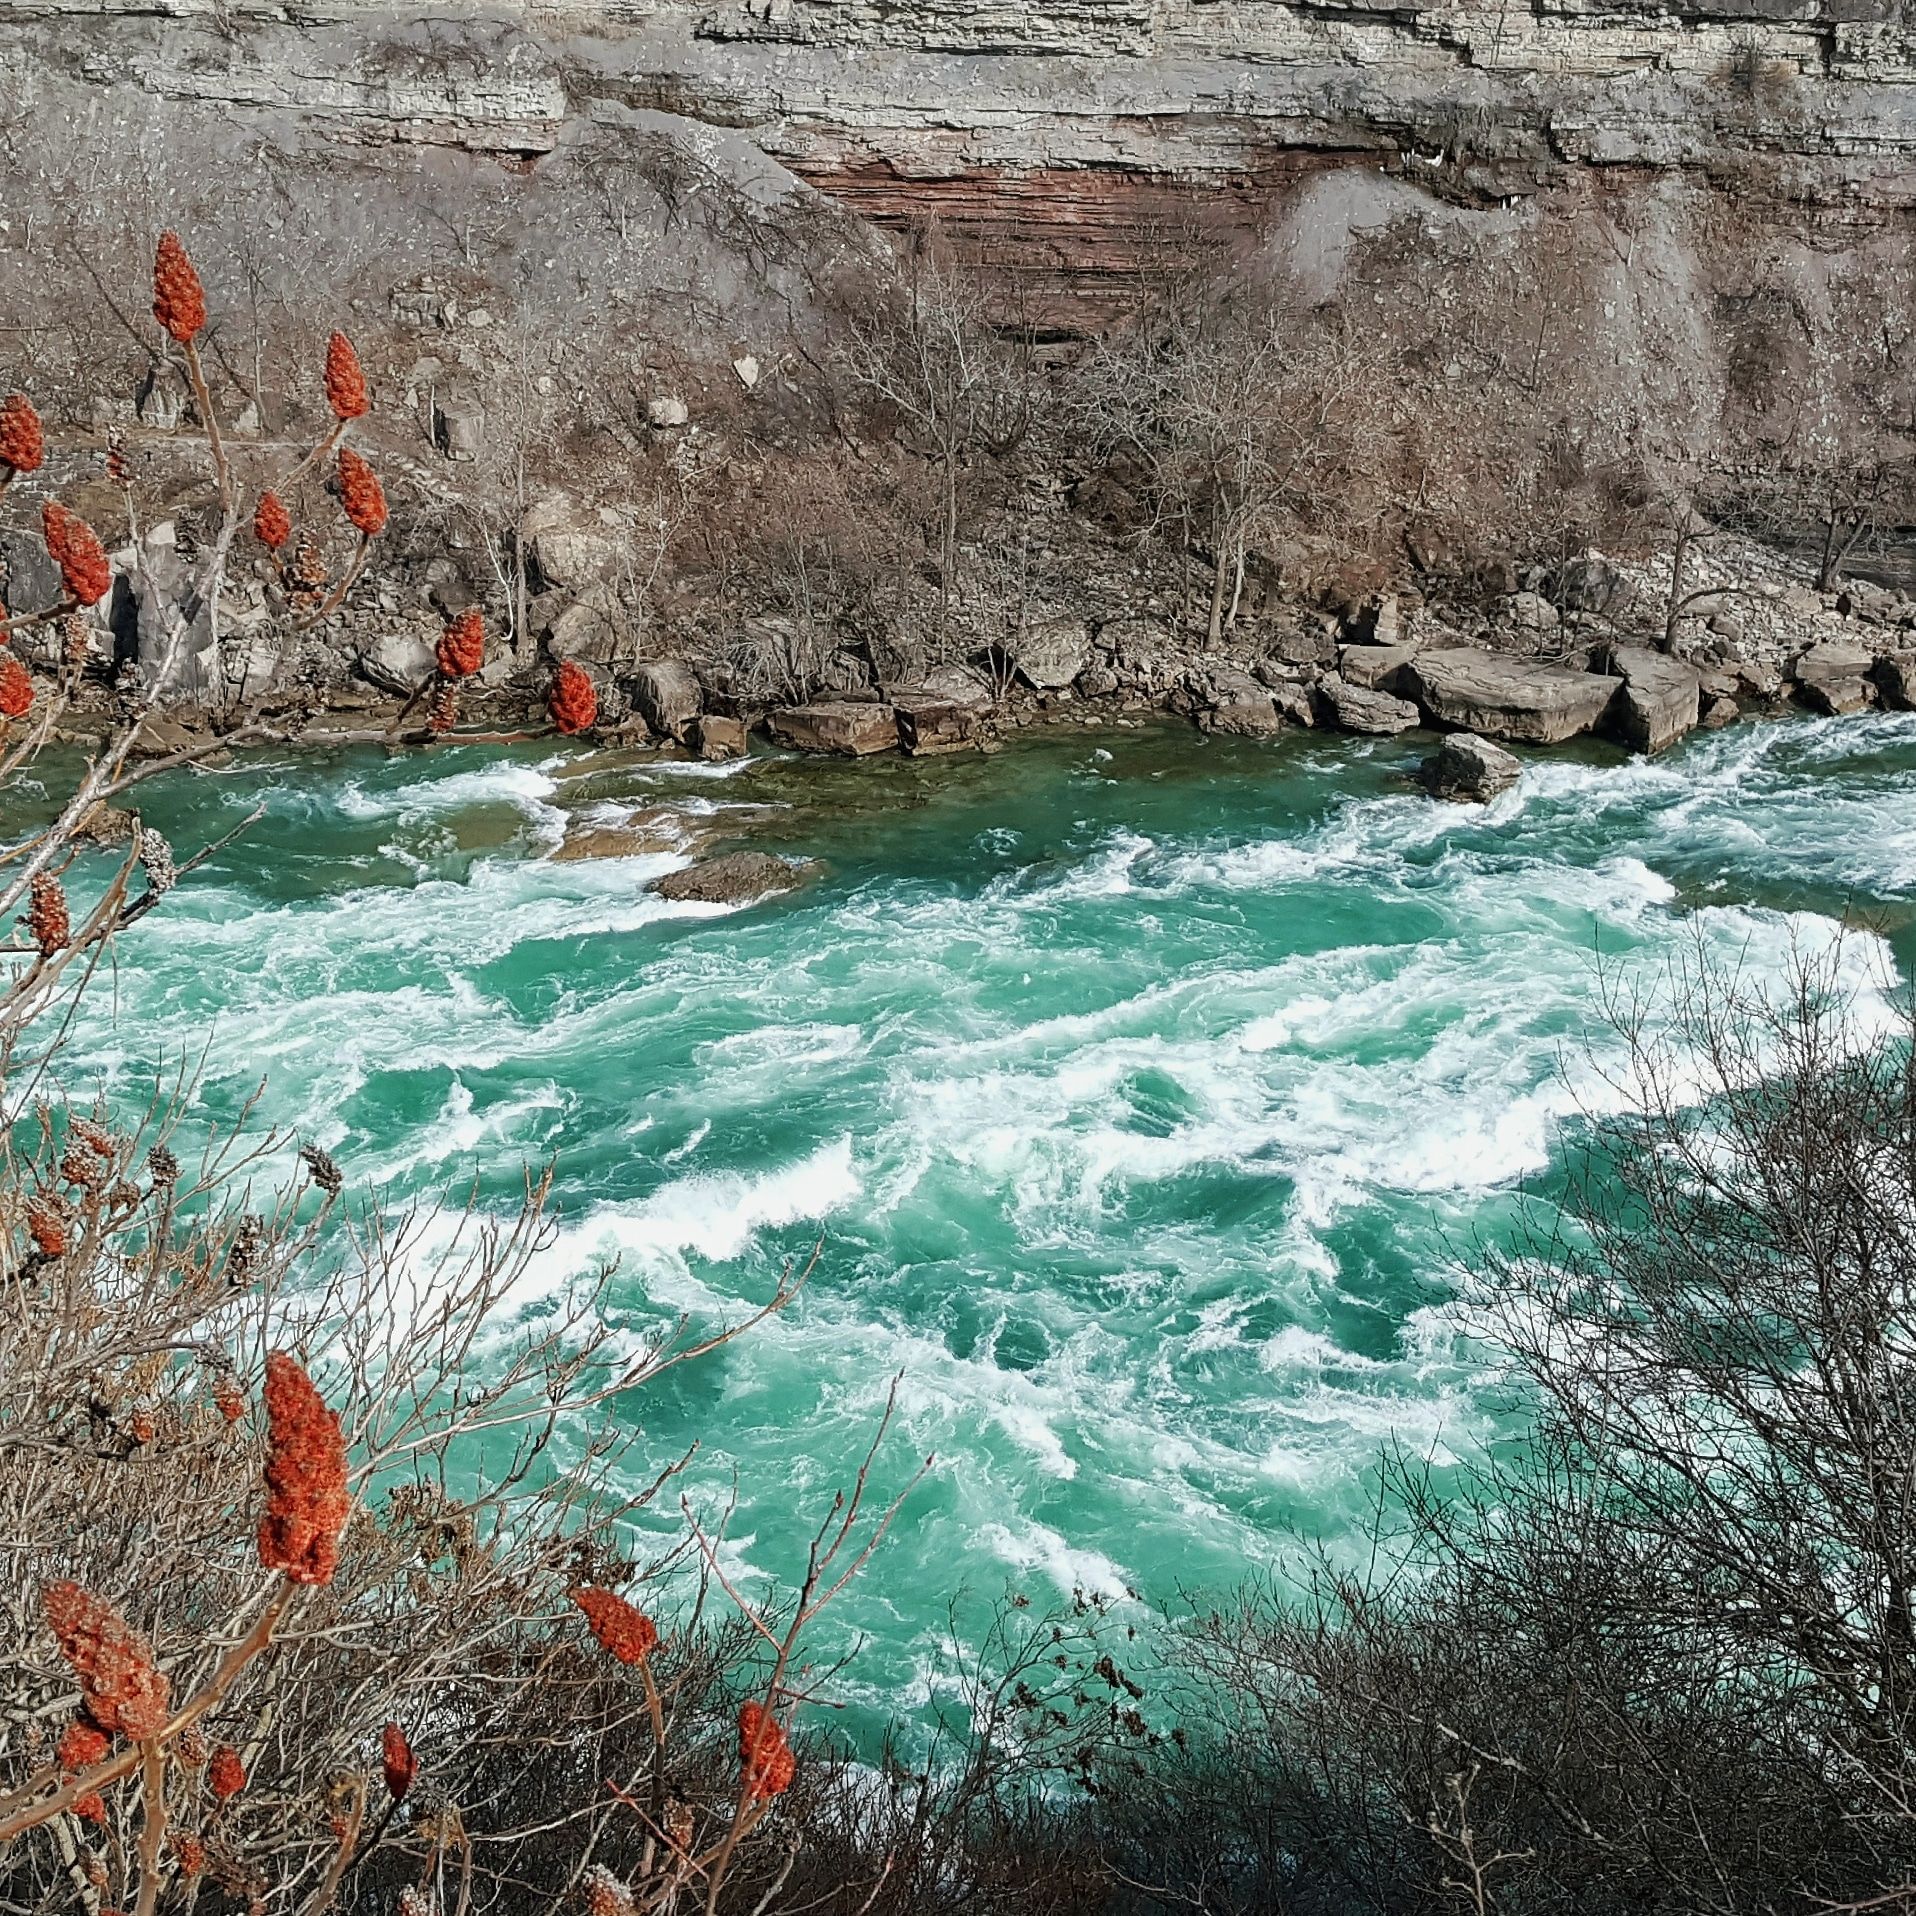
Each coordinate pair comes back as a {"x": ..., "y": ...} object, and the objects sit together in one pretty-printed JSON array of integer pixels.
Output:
[
  {"x": 1470, "y": 770},
  {"x": 1379, "y": 668},
  {"x": 847, "y": 729},
  {"x": 1833, "y": 677},
  {"x": 929, "y": 725},
  {"x": 1660, "y": 700},
  {"x": 737, "y": 878},
  {"x": 1507, "y": 698},
  {"x": 1358, "y": 709}
]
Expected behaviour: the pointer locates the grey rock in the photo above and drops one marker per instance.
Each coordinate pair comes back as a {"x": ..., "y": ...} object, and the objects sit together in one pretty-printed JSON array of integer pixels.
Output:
[
  {"x": 1660, "y": 699},
  {"x": 929, "y": 725},
  {"x": 1895, "y": 677},
  {"x": 1722, "y": 710},
  {"x": 571, "y": 546},
  {"x": 459, "y": 426},
  {"x": 666, "y": 414},
  {"x": 1378, "y": 668},
  {"x": 1508, "y": 698},
  {"x": 1833, "y": 677},
  {"x": 1470, "y": 769},
  {"x": 1309, "y": 644},
  {"x": 1049, "y": 656},
  {"x": 1239, "y": 705},
  {"x": 1355, "y": 708},
  {"x": 667, "y": 692},
  {"x": 1294, "y": 704},
  {"x": 588, "y": 633},
  {"x": 715, "y": 737},
  {"x": 396, "y": 661},
  {"x": 839, "y": 727},
  {"x": 735, "y": 878}
]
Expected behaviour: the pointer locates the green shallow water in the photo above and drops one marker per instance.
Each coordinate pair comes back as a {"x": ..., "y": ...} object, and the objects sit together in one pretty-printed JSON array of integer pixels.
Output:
[{"x": 1140, "y": 1087}]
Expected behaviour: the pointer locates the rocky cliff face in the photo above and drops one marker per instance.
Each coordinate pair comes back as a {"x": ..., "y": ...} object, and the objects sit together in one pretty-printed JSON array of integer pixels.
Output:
[{"x": 1052, "y": 132}]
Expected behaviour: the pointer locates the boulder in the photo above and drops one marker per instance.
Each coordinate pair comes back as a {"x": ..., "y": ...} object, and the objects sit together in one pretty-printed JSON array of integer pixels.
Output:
[
  {"x": 736, "y": 878},
  {"x": 1380, "y": 622},
  {"x": 667, "y": 692},
  {"x": 1753, "y": 681},
  {"x": 667, "y": 413},
  {"x": 1144, "y": 657},
  {"x": 397, "y": 662},
  {"x": 459, "y": 426},
  {"x": 957, "y": 685},
  {"x": 838, "y": 726},
  {"x": 1294, "y": 704},
  {"x": 1470, "y": 769},
  {"x": 929, "y": 725},
  {"x": 1722, "y": 710},
  {"x": 1311, "y": 643},
  {"x": 1239, "y": 705},
  {"x": 570, "y": 545},
  {"x": 584, "y": 631},
  {"x": 1378, "y": 668},
  {"x": 1508, "y": 698},
  {"x": 1530, "y": 612},
  {"x": 1895, "y": 679},
  {"x": 714, "y": 737},
  {"x": 1660, "y": 699},
  {"x": 1833, "y": 677},
  {"x": 1356, "y": 708},
  {"x": 1049, "y": 656}
]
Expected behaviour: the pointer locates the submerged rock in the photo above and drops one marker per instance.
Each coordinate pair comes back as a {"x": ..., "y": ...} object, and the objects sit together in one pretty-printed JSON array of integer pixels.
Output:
[
  {"x": 734, "y": 879},
  {"x": 1470, "y": 769}
]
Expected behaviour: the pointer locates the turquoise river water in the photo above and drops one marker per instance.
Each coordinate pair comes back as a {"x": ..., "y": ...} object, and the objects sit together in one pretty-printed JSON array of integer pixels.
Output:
[{"x": 1141, "y": 1087}]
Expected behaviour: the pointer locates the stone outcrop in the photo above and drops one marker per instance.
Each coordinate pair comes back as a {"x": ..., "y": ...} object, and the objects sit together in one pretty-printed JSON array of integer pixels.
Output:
[
  {"x": 1470, "y": 770},
  {"x": 1659, "y": 700},
  {"x": 1510, "y": 698},
  {"x": 1050, "y": 656},
  {"x": 1236, "y": 703},
  {"x": 1834, "y": 677},
  {"x": 929, "y": 726},
  {"x": 667, "y": 693},
  {"x": 1358, "y": 709},
  {"x": 842, "y": 728}
]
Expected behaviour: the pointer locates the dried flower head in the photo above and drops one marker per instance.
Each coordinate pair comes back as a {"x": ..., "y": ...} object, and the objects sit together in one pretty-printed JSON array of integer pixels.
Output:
[
  {"x": 324, "y": 1168},
  {"x": 398, "y": 1761},
  {"x": 628, "y": 1633},
  {"x": 272, "y": 523},
  {"x": 76, "y": 643},
  {"x": 22, "y": 443},
  {"x": 73, "y": 546},
  {"x": 119, "y": 468},
  {"x": 82, "y": 1744},
  {"x": 179, "y": 300},
  {"x": 225, "y": 1773},
  {"x": 162, "y": 1166},
  {"x": 462, "y": 646},
  {"x": 764, "y": 1756},
  {"x": 307, "y": 574},
  {"x": 189, "y": 1853},
  {"x": 190, "y": 1746},
  {"x": 414, "y": 1901},
  {"x": 604, "y": 1893},
  {"x": 574, "y": 704},
  {"x": 47, "y": 1226},
  {"x": 16, "y": 688},
  {"x": 90, "y": 1808},
  {"x": 306, "y": 1499},
  {"x": 361, "y": 496},
  {"x": 156, "y": 859},
  {"x": 141, "y": 1427},
  {"x": 345, "y": 383},
  {"x": 47, "y": 922},
  {"x": 119, "y": 1684},
  {"x": 95, "y": 1869},
  {"x": 442, "y": 709},
  {"x": 82, "y": 1167},
  {"x": 228, "y": 1399}
]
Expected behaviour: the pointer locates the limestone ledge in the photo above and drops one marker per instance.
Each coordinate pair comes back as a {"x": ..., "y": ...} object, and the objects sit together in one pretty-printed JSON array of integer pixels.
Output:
[{"x": 941, "y": 87}]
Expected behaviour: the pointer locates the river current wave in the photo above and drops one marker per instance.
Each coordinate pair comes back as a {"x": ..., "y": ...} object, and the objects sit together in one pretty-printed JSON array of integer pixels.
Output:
[{"x": 1144, "y": 1091}]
